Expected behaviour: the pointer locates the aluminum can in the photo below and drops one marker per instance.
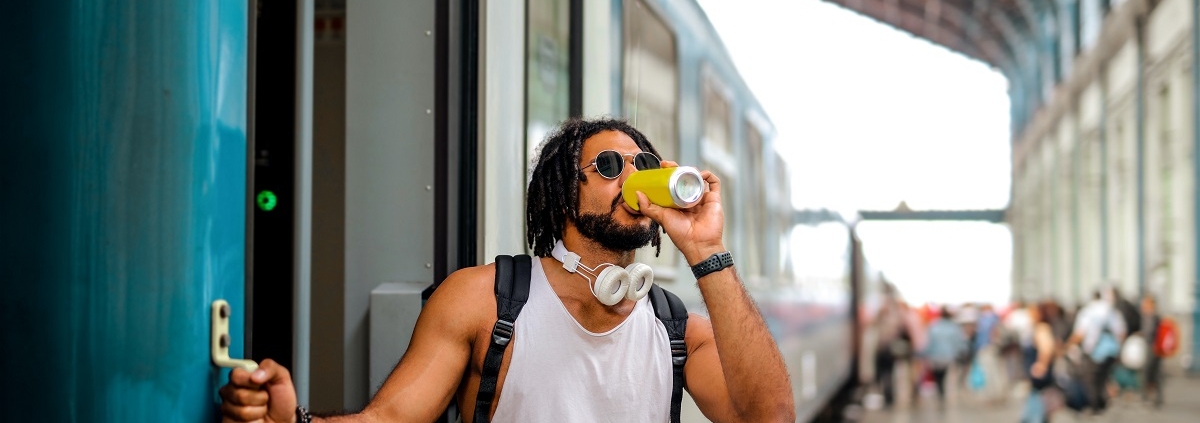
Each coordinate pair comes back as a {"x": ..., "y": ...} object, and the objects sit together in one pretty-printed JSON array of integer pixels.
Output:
[{"x": 675, "y": 187}]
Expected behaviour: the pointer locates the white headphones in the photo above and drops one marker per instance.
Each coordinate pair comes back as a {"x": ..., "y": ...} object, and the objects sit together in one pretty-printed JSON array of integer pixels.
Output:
[{"x": 614, "y": 282}]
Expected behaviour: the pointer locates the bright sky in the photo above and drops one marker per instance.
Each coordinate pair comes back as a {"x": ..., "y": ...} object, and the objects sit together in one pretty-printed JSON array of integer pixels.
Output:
[{"x": 868, "y": 116}]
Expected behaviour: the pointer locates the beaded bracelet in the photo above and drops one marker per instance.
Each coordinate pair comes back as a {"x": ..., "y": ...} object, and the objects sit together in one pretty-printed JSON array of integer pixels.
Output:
[{"x": 302, "y": 415}]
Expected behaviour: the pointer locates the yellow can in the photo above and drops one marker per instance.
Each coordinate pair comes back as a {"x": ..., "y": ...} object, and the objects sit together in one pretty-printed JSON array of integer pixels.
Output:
[{"x": 675, "y": 187}]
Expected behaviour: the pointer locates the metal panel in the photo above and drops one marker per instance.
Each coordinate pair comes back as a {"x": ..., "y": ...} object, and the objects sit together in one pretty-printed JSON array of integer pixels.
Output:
[
  {"x": 122, "y": 211},
  {"x": 301, "y": 375},
  {"x": 395, "y": 307},
  {"x": 390, "y": 155}
]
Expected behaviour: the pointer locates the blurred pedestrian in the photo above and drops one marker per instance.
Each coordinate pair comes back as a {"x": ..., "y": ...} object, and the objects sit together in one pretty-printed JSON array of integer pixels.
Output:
[
  {"x": 1152, "y": 370},
  {"x": 1125, "y": 376},
  {"x": 894, "y": 345},
  {"x": 986, "y": 376},
  {"x": 1016, "y": 336},
  {"x": 1099, "y": 331},
  {"x": 1060, "y": 323},
  {"x": 966, "y": 318},
  {"x": 1039, "y": 365},
  {"x": 944, "y": 343}
]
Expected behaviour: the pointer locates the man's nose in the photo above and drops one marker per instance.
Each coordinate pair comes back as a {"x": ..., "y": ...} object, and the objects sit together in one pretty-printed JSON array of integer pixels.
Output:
[{"x": 628, "y": 170}]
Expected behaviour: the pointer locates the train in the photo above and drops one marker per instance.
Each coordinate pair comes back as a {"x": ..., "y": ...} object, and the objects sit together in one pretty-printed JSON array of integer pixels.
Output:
[
  {"x": 291, "y": 158},
  {"x": 663, "y": 67}
]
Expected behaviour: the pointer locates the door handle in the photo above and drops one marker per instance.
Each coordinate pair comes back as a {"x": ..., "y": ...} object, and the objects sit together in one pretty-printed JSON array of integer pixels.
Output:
[{"x": 220, "y": 339}]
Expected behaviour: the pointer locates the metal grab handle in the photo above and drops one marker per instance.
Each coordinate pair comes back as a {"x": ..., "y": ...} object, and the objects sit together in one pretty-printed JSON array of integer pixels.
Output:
[{"x": 220, "y": 339}]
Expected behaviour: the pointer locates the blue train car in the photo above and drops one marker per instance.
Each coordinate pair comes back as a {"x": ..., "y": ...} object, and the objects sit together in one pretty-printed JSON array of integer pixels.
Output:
[{"x": 293, "y": 157}]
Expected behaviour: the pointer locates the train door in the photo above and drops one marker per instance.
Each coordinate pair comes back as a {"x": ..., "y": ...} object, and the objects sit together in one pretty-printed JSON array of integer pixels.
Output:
[
  {"x": 276, "y": 200},
  {"x": 122, "y": 206}
]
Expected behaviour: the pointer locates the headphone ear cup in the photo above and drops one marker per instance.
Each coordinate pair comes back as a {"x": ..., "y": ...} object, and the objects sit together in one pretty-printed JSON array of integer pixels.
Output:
[
  {"x": 611, "y": 285},
  {"x": 641, "y": 278}
]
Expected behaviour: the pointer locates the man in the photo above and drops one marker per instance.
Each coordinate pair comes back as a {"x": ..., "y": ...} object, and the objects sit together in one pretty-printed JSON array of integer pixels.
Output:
[
  {"x": 945, "y": 342},
  {"x": 1099, "y": 331},
  {"x": 734, "y": 371},
  {"x": 1152, "y": 371}
]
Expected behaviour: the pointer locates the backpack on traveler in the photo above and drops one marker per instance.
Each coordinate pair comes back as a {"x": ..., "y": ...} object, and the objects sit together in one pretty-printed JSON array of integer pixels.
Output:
[{"x": 1166, "y": 342}]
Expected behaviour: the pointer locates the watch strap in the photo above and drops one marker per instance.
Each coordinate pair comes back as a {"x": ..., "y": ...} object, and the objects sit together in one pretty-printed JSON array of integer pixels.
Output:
[{"x": 713, "y": 263}]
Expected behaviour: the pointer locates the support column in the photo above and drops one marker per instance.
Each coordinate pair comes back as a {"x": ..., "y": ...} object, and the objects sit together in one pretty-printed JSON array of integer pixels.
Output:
[
  {"x": 302, "y": 323},
  {"x": 1103, "y": 81},
  {"x": 1076, "y": 233},
  {"x": 1140, "y": 168},
  {"x": 1194, "y": 366}
]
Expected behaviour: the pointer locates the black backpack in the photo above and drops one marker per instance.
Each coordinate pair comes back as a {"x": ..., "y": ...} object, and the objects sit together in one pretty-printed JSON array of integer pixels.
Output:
[{"x": 512, "y": 290}]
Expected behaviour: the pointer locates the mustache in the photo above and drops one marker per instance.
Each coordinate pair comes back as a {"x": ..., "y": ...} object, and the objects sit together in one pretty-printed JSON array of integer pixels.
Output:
[{"x": 616, "y": 202}]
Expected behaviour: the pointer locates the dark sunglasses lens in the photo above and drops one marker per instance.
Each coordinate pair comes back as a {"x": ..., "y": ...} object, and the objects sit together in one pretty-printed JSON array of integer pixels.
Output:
[
  {"x": 610, "y": 164},
  {"x": 644, "y": 161}
]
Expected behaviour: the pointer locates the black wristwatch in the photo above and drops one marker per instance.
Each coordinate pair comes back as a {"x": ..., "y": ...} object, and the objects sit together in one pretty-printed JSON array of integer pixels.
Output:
[{"x": 713, "y": 263}]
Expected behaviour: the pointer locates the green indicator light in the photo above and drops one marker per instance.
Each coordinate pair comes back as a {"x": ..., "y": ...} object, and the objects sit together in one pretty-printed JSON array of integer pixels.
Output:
[{"x": 266, "y": 200}]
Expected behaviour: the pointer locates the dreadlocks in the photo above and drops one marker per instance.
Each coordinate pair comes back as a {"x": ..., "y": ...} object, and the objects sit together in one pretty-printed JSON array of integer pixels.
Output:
[{"x": 553, "y": 197}]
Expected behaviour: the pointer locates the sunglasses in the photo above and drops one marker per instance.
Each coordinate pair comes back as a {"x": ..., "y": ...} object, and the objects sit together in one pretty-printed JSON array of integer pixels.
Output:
[{"x": 610, "y": 164}]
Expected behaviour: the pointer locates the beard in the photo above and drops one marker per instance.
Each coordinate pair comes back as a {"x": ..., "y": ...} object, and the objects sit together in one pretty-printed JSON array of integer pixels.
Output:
[{"x": 614, "y": 236}]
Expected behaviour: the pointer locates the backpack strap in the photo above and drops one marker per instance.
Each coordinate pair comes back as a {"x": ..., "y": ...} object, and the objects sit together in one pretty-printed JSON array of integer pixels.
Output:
[
  {"x": 512, "y": 290},
  {"x": 670, "y": 310}
]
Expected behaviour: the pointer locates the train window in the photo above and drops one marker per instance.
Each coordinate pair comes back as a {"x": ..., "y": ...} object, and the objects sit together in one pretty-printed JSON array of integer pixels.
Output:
[
  {"x": 754, "y": 218},
  {"x": 1091, "y": 18},
  {"x": 651, "y": 77},
  {"x": 547, "y": 71},
  {"x": 718, "y": 156},
  {"x": 650, "y": 93},
  {"x": 717, "y": 122}
]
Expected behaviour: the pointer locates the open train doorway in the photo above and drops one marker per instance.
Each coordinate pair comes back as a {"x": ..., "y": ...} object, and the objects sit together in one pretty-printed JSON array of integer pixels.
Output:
[{"x": 272, "y": 188}]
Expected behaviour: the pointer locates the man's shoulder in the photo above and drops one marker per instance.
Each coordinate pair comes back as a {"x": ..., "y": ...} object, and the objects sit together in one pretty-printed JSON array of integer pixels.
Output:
[
  {"x": 474, "y": 279},
  {"x": 468, "y": 292}
]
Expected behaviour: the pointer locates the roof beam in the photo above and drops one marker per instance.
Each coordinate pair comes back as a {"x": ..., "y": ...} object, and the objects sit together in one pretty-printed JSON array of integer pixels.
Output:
[
  {"x": 994, "y": 216},
  {"x": 947, "y": 23}
]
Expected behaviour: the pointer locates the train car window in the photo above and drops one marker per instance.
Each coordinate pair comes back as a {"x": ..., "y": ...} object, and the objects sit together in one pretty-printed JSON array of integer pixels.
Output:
[
  {"x": 718, "y": 156},
  {"x": 651, "y": 77},
  {"x": 780, "y": 189},
  {"x": 547, "y": 70},
  {"x": 650, "y": 100},
  {"x": 717, "y": 117},
  {"x": 755, "y": 218}
]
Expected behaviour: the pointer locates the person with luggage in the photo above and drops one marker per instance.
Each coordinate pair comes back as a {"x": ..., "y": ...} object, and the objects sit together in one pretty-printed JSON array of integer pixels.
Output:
[
  {"x": 1099, "y": 332},
  {"x": 1156, "y": 332}
]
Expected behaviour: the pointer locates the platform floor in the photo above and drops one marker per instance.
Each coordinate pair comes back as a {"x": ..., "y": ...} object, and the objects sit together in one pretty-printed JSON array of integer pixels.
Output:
[{"x": 1181, "y": 404}]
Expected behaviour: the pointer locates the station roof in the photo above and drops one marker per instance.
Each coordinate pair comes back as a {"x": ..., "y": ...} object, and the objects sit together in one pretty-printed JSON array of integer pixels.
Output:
[{"x": 989, "y": 30}]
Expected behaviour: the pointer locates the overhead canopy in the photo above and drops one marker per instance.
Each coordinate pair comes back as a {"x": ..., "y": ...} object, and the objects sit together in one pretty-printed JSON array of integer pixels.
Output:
[
  {"x": 993, "y": 31},
  {"x": 1035, "y": 43},
  {"x": 1041, "y": 46}
]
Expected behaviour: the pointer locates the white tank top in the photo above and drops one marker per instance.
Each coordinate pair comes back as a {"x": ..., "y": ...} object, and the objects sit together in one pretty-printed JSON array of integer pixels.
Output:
[{"x": 561, "y": 372}]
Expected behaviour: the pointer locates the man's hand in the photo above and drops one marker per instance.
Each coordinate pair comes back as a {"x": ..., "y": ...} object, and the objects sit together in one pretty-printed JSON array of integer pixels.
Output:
[
  {"x": 696, "y": 231},
  {"x": 265, "y": 395}
]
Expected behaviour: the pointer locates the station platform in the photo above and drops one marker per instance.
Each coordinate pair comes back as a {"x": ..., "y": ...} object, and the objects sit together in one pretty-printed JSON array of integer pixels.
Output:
[{"x": 1181, "y": 404}]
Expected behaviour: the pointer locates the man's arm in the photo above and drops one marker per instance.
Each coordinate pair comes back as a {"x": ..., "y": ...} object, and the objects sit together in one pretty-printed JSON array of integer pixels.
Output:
[
  {"x": 425, "y": 381},
  {"x": 418, "y": 389},
  {"x": 734, "y": 369}
]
